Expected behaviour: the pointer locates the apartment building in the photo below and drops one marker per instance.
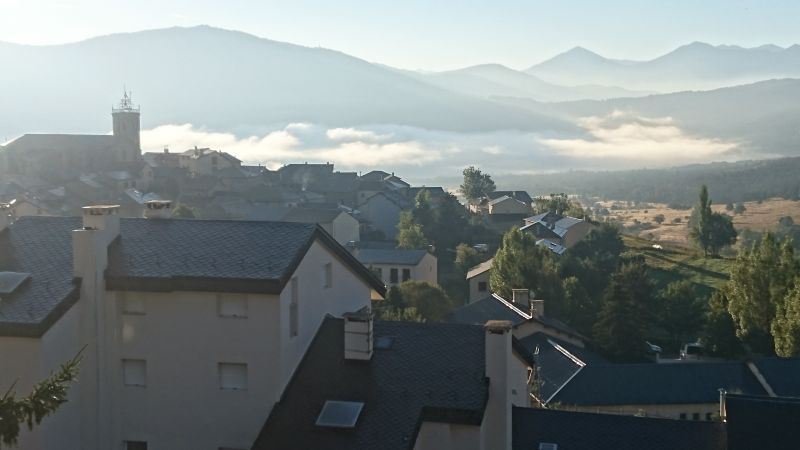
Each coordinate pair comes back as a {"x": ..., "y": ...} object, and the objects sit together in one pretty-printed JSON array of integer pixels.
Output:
[{"x": 190, "y": 331}]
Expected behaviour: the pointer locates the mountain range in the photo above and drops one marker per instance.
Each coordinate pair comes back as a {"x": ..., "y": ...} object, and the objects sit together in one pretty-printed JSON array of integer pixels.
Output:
[
  {"x": 234, "y": 82},
  {"x": 695, "y": 66}
]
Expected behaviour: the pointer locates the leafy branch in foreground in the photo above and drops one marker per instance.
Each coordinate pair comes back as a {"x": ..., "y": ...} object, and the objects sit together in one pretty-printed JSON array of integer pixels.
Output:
[{"x": 44, "y": 399}]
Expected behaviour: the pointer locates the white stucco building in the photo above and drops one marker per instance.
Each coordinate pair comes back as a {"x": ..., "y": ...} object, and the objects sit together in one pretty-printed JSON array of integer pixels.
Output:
[
  {"x": 395, "y": 265},
  {"x": 190, "y": 330}
]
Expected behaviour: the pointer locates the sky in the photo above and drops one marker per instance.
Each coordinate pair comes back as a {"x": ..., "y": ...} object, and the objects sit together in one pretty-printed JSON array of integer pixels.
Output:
[{"x": 428, "y": 34}]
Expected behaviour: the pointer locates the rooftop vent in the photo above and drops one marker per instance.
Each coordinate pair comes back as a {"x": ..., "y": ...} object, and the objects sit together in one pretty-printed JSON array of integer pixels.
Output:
[
  {"x": 10, "y": 281},
  {"x": 337, "y": 414},
  {"x": 158, "y": 209},
  {"x": 547, "y": 446}
]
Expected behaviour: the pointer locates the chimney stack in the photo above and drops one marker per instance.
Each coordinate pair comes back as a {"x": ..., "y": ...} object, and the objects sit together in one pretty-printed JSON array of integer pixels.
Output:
[
  {"x": 358, "y": 335},
  {"x": 102, "y": 217},
  {"x": 521, "y": 297},
  {"x": 497, "y": 416},
  {"x": 158, "y": 209}
]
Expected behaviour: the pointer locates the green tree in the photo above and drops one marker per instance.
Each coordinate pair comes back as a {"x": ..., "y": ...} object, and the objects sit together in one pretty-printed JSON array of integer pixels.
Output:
[
  {"x": 466, "y": 258},
  {"x": 410, "y": 234},
  {"x": 521, "y": 264},
  {"x": 450, "y": 226},
  {"x": 709, "y": 230},
  {"x": 760, "y": 281},
  {"x": 45, "y": 398},
  {"x": 182, "y": 211},
  {"x": 659, "y": 218},
  {"x": 476, "y": 184},
  {"x": 739, "y": 208},
  {"x": 719, "y": 334},
  {"x": 786, "y": 326},
  {"x": 422, "y": 212},
  {"x": 625, "y": 316},
  {"x": 682, "y": 312},
  {"x": 558, "y": 204},
  {"x": 430, "y": 301}
]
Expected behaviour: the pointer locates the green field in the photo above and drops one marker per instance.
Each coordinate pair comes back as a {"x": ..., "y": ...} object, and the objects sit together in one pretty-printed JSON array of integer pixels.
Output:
[{"x": 674, "y": 263}]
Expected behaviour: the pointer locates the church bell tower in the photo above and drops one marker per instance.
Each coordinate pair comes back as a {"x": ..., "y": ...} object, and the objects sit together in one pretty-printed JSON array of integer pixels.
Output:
[{"x": 126, "y": 130}]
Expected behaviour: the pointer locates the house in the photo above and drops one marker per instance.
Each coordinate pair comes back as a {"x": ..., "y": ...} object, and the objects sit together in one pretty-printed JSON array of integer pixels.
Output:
[
  {"x": 761, "y": 421},
  {"x": 205, "y": 161},
  {"x": 521, "y": 196},
  {"x": 478, "y": 281},
  {"x": 507, "y": 205},
  {"x": 382, "y": 212},
  {"x": 482, "y": 206},
  {"x": 339, "y": 224},
  {"x": 525, "y": 313},
  {"x": 436, "y": 194},
  {"x": 211, "y": 317},
  {"x": 395, "y": 266},
  {"x": 405, "y": 386},
  {"x": 26, "y": 206},
  {"x": 558, "y": 230}
]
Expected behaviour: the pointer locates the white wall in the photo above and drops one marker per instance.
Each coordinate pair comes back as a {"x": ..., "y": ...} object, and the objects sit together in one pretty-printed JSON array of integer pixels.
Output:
[
  {"x": 474, "y": 293},
  {"x": 382, "y": 213},
  {"x": 345, "y": 229},
  {"x": 425, "y": 270}
]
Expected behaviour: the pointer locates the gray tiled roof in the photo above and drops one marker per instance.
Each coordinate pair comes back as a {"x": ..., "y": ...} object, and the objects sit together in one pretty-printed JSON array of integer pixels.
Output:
[
  {"x": 311, "y": 215},
  {"x": 760, "y": 422},
  {"x": 41, "y": 246},
  {"x": 390, "y": 256},
  {"x": 484, "y": 310},
  {"x": 782, "y": 374},
  {"x": 433, "y": 372},
  {"x": 588, "y": 431},
  {"x": 156, "y": 255}
]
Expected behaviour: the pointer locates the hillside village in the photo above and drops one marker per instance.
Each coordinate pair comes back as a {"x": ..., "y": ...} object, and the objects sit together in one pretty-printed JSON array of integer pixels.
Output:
[{"x": 306, "y": 307}]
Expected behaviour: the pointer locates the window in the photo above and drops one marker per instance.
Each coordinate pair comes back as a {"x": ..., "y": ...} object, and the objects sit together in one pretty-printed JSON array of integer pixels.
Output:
[
  {"x": 393, "y": 276},
  {"x": 233, "y": 376},
  {"x": 482, "y": 286},
  {"x": 406, "y": 274},
  {"x": 134, "y": 372},
  {"x": 232, "y": 305},
  {"x": 328, "y": 274},
  {"x": 378, "y": 271},
  {"x": 131, "y": 305},
  {"x": 708, "y": 416},
  {"x": 683, "y": 416},
  {"x": 294, "y": 314},
  {"x": 696, "y": 416},
  {"x": 135, "y": 445}
]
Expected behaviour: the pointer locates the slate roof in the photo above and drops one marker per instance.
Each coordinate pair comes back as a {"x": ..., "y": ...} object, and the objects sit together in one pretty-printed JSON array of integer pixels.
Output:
[
  {"x": 556, "y": 361},
  {"x": 651, "y": 383},
  {"x": 41, "y": 246},
  {"x": 154, "y": 255},
  {"x": 433, "y": 372},
  {"x": 762, "y": 422},
  {"x": 517, "y": 195},
  {"x": 481, "y": 311},
  {"x": 311, "y": 215},
  {"x": 494, "y": 307},
  {"x": 375, "y": 175},
  {"x": 504, "y": 198},
  {"x": 390, "y": 256},
  {"x": 558, "y": 249},
  {"x": 782, "y": 374},
  {"x": 588, "y": 431}
]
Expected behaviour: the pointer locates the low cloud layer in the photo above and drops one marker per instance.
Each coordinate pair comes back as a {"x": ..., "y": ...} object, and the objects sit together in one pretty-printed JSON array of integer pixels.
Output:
[
  {"x": 627, "y": 138},
  {"x": 617, "y": 141}
]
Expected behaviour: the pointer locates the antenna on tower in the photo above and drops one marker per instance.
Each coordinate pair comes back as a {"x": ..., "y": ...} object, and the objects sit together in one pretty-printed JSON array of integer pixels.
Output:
[{"x": 126, "y": 103}]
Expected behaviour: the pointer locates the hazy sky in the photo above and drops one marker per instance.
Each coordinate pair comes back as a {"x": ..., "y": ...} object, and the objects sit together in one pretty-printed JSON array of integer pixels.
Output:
[{"x": 428, "y": 34}]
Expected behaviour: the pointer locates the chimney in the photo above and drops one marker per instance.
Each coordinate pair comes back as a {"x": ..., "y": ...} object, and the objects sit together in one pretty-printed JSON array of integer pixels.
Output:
[
  {"x": 521, "y": 297},
  {"x": 537, "y": 308},
  {"x": 5, "y": 216},
  {"x": 166, "y": 150},
  {"x": 497, "y": 416},
  {"x": 103, "y": 218},
  {"x": 158, "y": 209},
  {"x": 358, "y": 335}
]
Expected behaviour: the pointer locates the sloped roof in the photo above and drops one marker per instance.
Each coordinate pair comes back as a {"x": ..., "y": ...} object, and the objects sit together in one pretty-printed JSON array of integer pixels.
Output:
[
  {"x": 480, "y": 268},
  {"x": 61, "y": 142},
  {"x": 433, "y": 372},
  {"x": 552, "y": 246},
  {"x": 517, "y": 195},
  {"x": 782, "y": 374},
  {"x": 154, "y": 255},
  {"x": 587, "y": 431},
  {"x": 495, "y": 307},
  {"x": 651, "y": 383},
  {"x": 505, "y": 198},
  {"x": 390, "y": 256}
]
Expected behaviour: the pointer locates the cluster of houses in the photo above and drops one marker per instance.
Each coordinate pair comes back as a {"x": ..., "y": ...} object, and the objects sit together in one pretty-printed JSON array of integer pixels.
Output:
[{"x": 257, "y": 332}]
